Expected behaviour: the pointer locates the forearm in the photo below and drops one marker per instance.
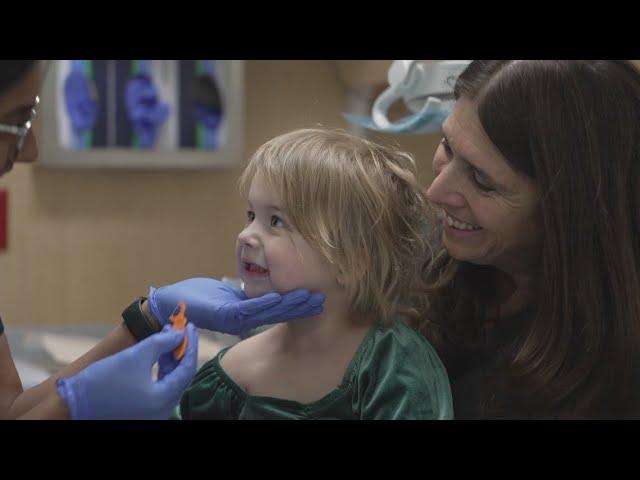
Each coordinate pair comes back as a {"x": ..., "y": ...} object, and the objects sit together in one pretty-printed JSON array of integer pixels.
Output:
[
  {"x": 50, "y": 407},
  {"x": 41, "y": 399},
  {"x": 29, "y": 402},
  {"x": 10, "y": 385}
]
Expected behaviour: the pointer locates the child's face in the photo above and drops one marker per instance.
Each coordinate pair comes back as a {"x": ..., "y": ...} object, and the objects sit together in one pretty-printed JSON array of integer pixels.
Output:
[{"x": 271, "y": 254}]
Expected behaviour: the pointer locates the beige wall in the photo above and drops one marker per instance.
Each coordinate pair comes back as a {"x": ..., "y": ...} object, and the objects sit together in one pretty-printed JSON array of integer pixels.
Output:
[{"x": 83, "y": 244}]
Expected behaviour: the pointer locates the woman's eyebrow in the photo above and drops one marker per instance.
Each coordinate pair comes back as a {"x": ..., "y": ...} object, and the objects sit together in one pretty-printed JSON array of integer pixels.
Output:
[{"x": 475, "y": 167}]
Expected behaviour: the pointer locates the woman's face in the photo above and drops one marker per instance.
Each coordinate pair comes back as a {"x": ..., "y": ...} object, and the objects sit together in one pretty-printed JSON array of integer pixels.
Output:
[
  {"x": 15, "y": 109},
  {"x": 489, "y": 212}
]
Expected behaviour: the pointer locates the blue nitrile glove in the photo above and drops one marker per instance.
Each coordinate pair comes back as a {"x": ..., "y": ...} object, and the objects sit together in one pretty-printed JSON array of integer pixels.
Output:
[
  {"x": 121, "y": 387},
  {"x": 145, "y": 110},
  {"x": 209, "y": 117},
  {"x": 81, "y": 102},
  {"x": 167, "y": 362},
  {"x": 215, "y": 305}
]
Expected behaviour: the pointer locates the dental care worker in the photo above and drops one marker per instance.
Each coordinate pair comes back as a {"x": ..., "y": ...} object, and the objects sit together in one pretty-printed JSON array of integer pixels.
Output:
[{"x": 113, "y": 380}]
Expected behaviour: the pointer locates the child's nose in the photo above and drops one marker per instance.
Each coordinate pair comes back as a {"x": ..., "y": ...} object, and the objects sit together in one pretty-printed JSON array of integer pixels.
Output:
[{"x": 248, "y": 236}]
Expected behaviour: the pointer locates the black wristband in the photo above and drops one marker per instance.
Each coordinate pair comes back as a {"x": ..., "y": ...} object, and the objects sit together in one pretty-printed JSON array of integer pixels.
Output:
[{"x": 137, "y": 322}]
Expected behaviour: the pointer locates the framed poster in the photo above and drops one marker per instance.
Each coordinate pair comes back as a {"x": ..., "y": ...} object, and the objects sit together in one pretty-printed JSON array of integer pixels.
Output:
[{"x": 143, "y": 114}]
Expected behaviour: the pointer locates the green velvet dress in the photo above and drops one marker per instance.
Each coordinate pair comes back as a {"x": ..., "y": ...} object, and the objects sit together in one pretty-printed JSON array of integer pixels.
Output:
[{"x": 394, "y": 374}]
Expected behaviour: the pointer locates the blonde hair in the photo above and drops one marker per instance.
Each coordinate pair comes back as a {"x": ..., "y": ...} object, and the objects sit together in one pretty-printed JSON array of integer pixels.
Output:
[{"x": 360, "y": 205}]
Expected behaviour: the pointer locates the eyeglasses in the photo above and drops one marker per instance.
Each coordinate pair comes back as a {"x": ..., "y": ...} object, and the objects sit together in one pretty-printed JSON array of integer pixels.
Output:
[{"x": 21, "y": 131}]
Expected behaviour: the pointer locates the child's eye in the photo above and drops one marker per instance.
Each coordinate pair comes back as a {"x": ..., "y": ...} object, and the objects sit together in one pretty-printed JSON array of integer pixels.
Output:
[
  {"x": 276, "y": 221},
  {"x": 250, "y": 216}
]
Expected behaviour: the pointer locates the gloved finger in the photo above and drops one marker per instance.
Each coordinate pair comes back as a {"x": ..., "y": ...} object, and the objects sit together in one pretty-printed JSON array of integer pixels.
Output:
[
  {"x": 261, "y": 309},
  {"x": 238, "y": 292},
  {"x": 190, "y": 358},
  {"x": 165, "y": 341},
  {"x": 179, "y": 379},
  {"x": 302, "y": 311},
  {"x": 154, "y": 308},
  {"x": 295, "y": 297},
  {"x": 166, "y": 364},
  {"x": 300, "y": 303},
  {"x": 282, "y": 313},
  {"x": 160, "y": 307},
  {"x": 317, "y": 299},
  {"x": 294, "y": 313},
  {"x": 167, "y": 361},
  {"x": 254, "y": 305}
]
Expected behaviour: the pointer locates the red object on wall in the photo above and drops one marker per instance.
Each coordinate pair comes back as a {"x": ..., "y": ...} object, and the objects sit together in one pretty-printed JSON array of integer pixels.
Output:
[{"x": 3, "y": 220}]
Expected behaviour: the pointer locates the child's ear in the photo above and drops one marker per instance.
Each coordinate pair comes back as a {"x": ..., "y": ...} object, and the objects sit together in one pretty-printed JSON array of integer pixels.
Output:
[{"x": 344, "y": 280}]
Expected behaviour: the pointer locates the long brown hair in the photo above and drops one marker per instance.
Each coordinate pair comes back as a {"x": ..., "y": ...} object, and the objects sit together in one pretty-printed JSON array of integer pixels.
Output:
[{"x": 572, "y": 126}]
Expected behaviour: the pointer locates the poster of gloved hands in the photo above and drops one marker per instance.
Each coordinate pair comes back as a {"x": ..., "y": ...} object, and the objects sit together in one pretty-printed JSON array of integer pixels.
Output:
[{"x": 177, "y": 113}]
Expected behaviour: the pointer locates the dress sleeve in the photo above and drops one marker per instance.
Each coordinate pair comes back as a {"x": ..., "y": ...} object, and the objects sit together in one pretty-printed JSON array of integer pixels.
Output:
[{"x": 401, "y": 377}]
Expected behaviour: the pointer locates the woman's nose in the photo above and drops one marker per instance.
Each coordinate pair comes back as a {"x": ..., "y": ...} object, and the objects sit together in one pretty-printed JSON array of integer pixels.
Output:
[
  {"x": 446, "y": 189},
  {"x": 29, "y": 152}
]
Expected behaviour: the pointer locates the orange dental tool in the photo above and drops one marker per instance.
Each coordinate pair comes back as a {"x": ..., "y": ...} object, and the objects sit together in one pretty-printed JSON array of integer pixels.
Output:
[{"x": 179, "y": 322}]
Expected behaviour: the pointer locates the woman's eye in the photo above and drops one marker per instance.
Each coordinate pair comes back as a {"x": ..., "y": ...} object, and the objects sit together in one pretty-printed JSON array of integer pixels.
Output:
[
  {"x": 250, "y": 216},
  {"x": 481, "y": 181},
  {"x": 447, "y": 148}
]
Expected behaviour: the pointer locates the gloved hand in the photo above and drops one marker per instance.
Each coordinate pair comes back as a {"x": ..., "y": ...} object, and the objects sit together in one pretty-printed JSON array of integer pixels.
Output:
[
  {"x": 145, "y": 110},
  {"x": 121, "y": 387},
  {"x": 81, "y": 102},
  {"x": 217, "y": 306}
]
